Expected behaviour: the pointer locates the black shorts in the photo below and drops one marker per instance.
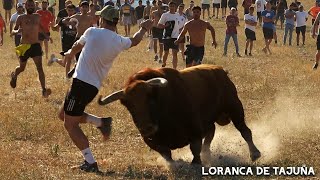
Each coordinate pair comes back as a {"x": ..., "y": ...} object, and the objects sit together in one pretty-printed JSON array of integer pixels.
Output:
[
  {"x": 169, "y": 44},
  {"x": 42, "y": 36},
  {"x": 250, "y": 35},
  {"x": 17, "y": 39},
  {"x": 217, "y": 5},
  {"x": 224, "y": 4},
  {"x": 205, "y": 6},
  {"x": 7, "y": 5},
  {"x": 78, "y": 97},
  {"x": 301, "y": 29},
  {"x": 157, "y": 33},
  {"x": 194, "y": 53},
  {"x": 268, "y": 33},
  {"x": 34, "y": 51},
  {"x": 67, "y": 44},
  {"x": 318, "y": 42},
  {"x": 259, "y": 15}
]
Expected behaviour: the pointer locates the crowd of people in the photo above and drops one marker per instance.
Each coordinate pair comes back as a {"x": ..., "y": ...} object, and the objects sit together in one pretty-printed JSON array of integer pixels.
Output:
[{"x": 87, "y": 29}]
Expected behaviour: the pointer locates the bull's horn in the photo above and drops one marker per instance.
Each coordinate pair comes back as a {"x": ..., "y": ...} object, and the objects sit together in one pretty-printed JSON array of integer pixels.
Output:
[
  {"x": 161, "y": 82},
  {"x": 112, "y": 97}
]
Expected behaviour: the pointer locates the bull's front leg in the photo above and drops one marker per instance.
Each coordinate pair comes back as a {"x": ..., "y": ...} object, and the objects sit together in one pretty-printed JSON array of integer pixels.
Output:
[
  {"x": 165, "y": 152},
  {"x": 195, "y": 147}
]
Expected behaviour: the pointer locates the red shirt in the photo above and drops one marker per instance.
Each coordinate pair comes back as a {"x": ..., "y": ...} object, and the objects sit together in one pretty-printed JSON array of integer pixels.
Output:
[
  {"x": 45, "y": 18},
  {"x": 232, "y": 23},
  {"x": 1, "y": 24},
  {"x": 314, "y": 11}
]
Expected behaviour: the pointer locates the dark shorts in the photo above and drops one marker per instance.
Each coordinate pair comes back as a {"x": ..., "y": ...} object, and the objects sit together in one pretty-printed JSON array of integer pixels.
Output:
[
  {"x": 280, "y": 16},
  {"x": 194, "y": 54},
  {"x": 17, "y": 39},
  {"x": 318, "y": 42},
  {"x": 216, "y": 5},
  {"x": 250, "y": 35},
  {"x": 224, "y": 4},
  {"x": 66, "y": 45},
  {"x": 205, "y": 6},
  {"x": 157, "y": 33},
  {"x": 301, "y": 29},
  {"x": 34, "y": 51},
  {"x": 78, "y": 97},
  {"x": 169, "y": 44},
  {"x": 42, "y": 36},
  {"x": 259, "y": 15},
  {"x": 7, "y": 5},
  {"x": 268, "y": 33}
]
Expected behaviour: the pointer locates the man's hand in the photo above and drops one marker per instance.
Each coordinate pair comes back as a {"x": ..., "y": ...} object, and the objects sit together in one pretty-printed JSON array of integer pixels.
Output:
[
  {"x": 214, "y": 43},
  {"x": 147, "y": 24},
  {"x": 314, "y": 35}
]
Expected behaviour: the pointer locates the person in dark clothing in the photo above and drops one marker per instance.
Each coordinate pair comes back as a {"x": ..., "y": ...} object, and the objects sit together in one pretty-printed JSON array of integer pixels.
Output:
[
  {"x": 138, "y": 12},
  {"x": 233, "y": 3}
]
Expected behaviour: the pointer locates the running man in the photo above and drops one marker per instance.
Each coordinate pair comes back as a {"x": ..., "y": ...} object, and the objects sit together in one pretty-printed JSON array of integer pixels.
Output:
[
  {"x": 13, "y": 20},
  {"x": 169, "y": 21},
  {"x": 197, "y": 31},
  {"x": 46, "y": 20},
  {"x": 157, "y": 33},
  {"x": 28, "y": 25},
  {"x": 95, "y": 61},
  {"x": 315, "y": 33}
]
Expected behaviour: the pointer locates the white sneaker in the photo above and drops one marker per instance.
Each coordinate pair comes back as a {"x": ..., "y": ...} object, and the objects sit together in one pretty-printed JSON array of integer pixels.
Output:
[{"x": 51, "y": 60}]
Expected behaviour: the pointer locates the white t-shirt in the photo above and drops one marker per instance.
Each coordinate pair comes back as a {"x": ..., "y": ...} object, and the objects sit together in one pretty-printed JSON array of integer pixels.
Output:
[
  {"x": 248, "y": 17},
  {"x": 173, "y": 19},
  {"x": 182, "y": 20},
  {"x": 301, "y": 18},
  {"x": 13, "y": 19},
  {"x": 101, "y": 47},
  {"x": 205, "y": 2},
  {"x": 216, "y": 1},
  {"x": 260, "y": 5}
]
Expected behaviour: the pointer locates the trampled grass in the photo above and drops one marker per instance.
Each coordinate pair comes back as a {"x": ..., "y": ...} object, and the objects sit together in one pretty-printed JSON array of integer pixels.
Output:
[{"x": 279, "y": 92}]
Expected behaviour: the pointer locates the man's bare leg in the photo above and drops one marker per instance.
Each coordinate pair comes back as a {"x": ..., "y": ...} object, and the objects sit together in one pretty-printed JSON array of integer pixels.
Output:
[
  {"x": 174, "y": 58},
  {"x": 17, "y": 71},
  {"x": 181, "y": 47},
  {"x": 38, "y": 62},
  {"x": 46, "y": 49},
  {"x": 165, "y": 57}
]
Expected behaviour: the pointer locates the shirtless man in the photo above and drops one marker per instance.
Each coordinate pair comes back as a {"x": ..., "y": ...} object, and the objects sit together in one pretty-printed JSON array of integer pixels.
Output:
[
  {"x": 85, "y": 21},
  {"x": 157, "y": 33},
  {"x": 197, "y": 31},
  {"x": 29, "y": 26}
]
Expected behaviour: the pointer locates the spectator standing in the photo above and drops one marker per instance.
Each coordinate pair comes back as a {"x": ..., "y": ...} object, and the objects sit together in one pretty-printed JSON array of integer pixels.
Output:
[
  {"x": 233, "y": 3},
  {"x": 301, "y": 24},
  {"x": 215, "y": 6},
  {"x": 289, "y": 24},
  {"x": 232, "y": 22},
  {"x": 126, "y": 16},
  {"x": 189, "y": 12},
  {"x": 224, "y": 5},
  {"x": 7, "y": 6},
  {"x": 205, "y": 6},
  {"x": 250, "y": 28},
  {"x": 281, "y": 7},
  {"x": 268, "y": 17},
  {"x": 260, "y": 7}
]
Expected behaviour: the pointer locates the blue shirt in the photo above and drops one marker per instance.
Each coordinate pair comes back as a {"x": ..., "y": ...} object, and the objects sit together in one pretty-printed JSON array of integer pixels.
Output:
[{"x": 270, "y": 15}]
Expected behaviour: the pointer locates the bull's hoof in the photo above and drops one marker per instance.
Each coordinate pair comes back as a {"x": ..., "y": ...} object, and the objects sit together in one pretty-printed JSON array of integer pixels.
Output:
[
  {"x": 196, "y": 161},
  {"x": 255, "y": 155}
]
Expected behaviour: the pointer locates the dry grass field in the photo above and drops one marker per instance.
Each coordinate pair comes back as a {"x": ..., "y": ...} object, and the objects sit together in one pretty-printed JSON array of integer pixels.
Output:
[{"x": 280, "y": 93}]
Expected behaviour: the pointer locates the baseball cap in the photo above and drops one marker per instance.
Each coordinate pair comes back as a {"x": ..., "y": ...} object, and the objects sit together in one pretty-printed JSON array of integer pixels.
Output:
[
  {"x": 108, "y": 13},
  {"x": 19, "y": 5}
]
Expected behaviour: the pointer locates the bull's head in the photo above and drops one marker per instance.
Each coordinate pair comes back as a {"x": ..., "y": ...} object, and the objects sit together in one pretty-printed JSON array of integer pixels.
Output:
[{"x": 140, "y": 98}]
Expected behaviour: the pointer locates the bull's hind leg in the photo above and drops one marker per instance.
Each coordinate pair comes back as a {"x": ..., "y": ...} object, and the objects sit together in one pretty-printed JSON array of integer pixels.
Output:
[
  {"x": 195, "y": 147},
  {"x": 207, "y": 140},
  {"x": 237, "y": 117}
]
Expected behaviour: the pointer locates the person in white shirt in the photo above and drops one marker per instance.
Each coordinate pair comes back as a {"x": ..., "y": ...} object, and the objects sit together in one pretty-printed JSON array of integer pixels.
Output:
[
  {"x": 260, "y": 7},
  {"x": 13, "y": 20},
  {"x": 301, "y": 22},
  {"x": 182, "y": 21},
  {"x": 169, "y": 21},
  {"x": 94, "y": 63},
  {"x": 215, "y": 5},
  {"x": 205, "y": 5},
  {"x": 250, "y": 28}
]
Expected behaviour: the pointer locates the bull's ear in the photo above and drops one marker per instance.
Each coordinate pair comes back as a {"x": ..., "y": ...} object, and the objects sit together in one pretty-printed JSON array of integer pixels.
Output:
[{"x": 158, "y": 82}]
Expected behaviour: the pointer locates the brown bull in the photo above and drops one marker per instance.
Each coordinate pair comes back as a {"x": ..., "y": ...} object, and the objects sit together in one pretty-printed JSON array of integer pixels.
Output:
[{"x": 172, "y": 109}]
